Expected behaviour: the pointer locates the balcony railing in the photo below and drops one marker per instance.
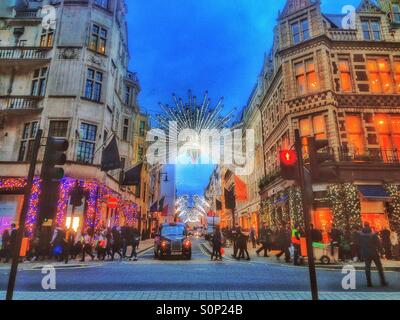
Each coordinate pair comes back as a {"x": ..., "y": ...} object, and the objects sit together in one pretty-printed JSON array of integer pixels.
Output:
[
  {"x": 26, "y": 14},
  {"x": 19, "y": 102},
  {"x": 344, "y": 154},
  {"x": 12, "y": 53},
  {"x": 342, "y": 35}
]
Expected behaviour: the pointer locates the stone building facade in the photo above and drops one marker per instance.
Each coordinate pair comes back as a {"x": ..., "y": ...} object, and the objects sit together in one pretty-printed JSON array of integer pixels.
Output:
[
  {"x": 334, "y": 78},
  {"x": 64, "y": 69}
]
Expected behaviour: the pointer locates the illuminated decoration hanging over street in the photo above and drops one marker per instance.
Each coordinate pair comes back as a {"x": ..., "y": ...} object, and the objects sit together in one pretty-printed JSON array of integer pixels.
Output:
[{"x": 191, "y": 213}]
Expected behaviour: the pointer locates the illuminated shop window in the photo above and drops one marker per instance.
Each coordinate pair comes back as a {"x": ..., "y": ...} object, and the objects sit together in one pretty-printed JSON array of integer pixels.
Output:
[
  {"x": 345, "y": 75},
  {"x": 355, "y": 134},
  {"x": 379, "y": 75},
  {"x": 306, "y": 77},
  {"x": 397, "y": 75},
  {"x": 312, "y": 126},
  {"x": 388, "y": 128}
]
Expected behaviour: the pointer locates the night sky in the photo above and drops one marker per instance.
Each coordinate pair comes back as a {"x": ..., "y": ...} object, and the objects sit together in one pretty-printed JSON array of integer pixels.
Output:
[{"x": 214, "y": 45}]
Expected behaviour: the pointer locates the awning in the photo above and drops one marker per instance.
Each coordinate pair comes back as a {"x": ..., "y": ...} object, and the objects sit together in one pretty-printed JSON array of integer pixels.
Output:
[
  {"x": 132, "y": 176},
  {"x": 374, "y": 193}
]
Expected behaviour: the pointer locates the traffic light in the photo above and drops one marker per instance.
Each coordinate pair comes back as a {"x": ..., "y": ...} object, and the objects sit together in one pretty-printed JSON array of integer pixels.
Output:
[
  {"x": 54, "y": 155},
  {"x": 289, "y": 164},
  {"x": 51, "y": 175},
  {"x": 318, "y": 155}
]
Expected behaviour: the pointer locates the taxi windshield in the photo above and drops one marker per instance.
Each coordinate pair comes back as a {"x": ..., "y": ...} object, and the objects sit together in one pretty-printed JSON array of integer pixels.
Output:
[{"x": 173, "y": 230}]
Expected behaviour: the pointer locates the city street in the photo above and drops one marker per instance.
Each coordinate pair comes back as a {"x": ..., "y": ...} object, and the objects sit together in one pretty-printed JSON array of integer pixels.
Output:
[{"x": 199, "y": 278}]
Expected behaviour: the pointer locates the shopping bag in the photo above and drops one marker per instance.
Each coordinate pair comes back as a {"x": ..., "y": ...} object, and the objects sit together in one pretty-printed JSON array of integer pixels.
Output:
[
  {"x": 222, "y": 251},
  {"x": 57, "y": 250},
  {"x": 24, "y": 247}
]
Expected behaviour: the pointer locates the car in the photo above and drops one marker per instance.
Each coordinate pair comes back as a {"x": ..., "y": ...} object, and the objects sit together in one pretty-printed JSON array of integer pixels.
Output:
[{"x": 172, "y": 240}]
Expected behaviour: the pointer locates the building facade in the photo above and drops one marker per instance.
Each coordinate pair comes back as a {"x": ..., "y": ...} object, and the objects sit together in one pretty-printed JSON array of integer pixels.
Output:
[
  {"x": 68, "y": 74},
  {"x": 337, "y": 79}
]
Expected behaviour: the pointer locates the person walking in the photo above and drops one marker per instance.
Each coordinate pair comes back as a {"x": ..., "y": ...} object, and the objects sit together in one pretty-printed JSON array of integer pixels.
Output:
[
  {"x": 242, "y": 245},
  {"x": 235, "y": 237},
  {"x": 116, "y": 243},
  {"x": 394, "y": 241},
  {"x": 217, "y": 243},
  {"x": 253, "y": 237},
  {"x": 296, "y": 235},
  {"x": 5, "y": 245},
  {"x": 125, "y": 239},
  {"x": 283, "y": 240},
  {"x": 58, "y": 242},
  {"x": 386, "y": 243},
  {"x": 265, "y": 239},
  {"x": 69, "y": 244},
  {"x": 370, "y": 248},
  {"x": 87, "y": 246},
  {"x": 135, "y": 241}
]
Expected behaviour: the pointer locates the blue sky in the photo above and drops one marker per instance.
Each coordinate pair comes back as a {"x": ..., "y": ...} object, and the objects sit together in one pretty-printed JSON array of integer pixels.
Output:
[{"x": 214, "y": 45}]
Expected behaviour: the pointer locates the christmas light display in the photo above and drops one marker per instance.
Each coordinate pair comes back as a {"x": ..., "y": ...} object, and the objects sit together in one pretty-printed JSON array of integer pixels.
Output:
[
  {"x": 296, "y": 206},
  {"x": 394, "y": 205}
]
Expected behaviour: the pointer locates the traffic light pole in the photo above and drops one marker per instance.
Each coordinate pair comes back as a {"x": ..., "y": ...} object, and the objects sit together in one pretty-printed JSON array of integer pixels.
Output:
[
  {"x": 307, "y": 216},
  {"x": 21, "y": 225}
]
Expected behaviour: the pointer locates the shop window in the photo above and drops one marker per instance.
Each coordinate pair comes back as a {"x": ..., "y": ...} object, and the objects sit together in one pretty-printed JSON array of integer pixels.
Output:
[
  {"x": 98, "y": 39},
  {"x": 306, "y": 77},
  {"x": 87, "y": 143},
  {"x": 39, "y": 82},
  {"x": 27, "y": 141},
  {"x": 355, "y": 134},
  {"x": 374, "y": 213},
  {"x": 379, "y": 75},
  {"x": 345, "y": 75},
  {"x": 388, "y": 128},
  {"x": 323, "y": 220},
  {"x": 371, "y": 29}
]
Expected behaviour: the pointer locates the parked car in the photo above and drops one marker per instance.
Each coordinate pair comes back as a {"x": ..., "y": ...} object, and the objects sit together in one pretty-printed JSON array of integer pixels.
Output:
[{"x": 172, "y": 240}]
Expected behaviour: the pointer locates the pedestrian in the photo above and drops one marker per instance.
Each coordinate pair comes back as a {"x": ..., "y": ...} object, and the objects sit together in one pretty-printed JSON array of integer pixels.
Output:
[
  {"x": 101, "y": 245},
  {"x": 116, "y": 243},
  {"x": 217, "y": 244},
  {"x": 334, "y": 237},
  {"x": 69, "y": 244},
  {"x": 283, "y": 242},
  {"x": 265, "y": 240},
  {"x": 386, "y": 243},
  {"x": 5, "y": 244},
  {"x": 354, "y": 244},
  {"x": 296, "y": 235},
  {"x": 87, "y": 246},
  {"x": 135, "y": 241},
  {"x": 57, "y": 243},
  {"x": 235, "y": 233},
  {"x": 370, "y": 247},
  {"x": 242, "y": 245},
  {"x": 125, "y": 239},
  {"x": 253, "y": 237},
  {"x": 316, "y": 235},
  {"x": 394, "y": 240}
]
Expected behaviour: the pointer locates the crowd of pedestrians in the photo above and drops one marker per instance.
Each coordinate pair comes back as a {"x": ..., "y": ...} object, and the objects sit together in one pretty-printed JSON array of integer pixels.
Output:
[{"x": 65, "y": 244}]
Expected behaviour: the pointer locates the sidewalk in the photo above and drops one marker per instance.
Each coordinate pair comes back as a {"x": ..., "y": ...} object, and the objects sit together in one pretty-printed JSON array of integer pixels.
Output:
[
  {"x": 73, "y": 264},
  {"x": 388, "y": 265}
]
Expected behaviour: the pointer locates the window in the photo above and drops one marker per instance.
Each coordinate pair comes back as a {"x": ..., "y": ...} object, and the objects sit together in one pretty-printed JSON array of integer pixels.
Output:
[
  {"x": 345, "y": 75},
  {"x": 47, "y": 38},
  {"x": 128, "y": 94},
  {"x": 379, "y": 75},
  {"x": 87, "y": 143},
  {"x": 140, "y": 153},
  {"x": 142, "y": 128},
  {"x": 306, "y": 77},
  {"x": 58, "y": 128},
  {"x": 102, "y": 3},
  {"x": 355, "y": 134},
  {"x": 388, "y": 128},
  {"x": 123, "y": 163},
  {"x": 371, "y": 29},
  {"x": 396, "y": 13},
  {"x": 27, "y": 141},
  {"x": 39, "y": 82},
  {"x": 312, "y": 126},
  {"x": 98, "y": 39},
  {"x": 300, "y": 31},
  {"x": 125, "y": 129},
  {"x": 93, "y": 86},
  {"x": 397, "y": 74}
]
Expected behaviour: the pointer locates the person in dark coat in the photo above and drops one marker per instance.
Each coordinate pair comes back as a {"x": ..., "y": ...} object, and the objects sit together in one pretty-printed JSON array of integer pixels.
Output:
[
  {"x": 235, "y": 233},
  {"x": 242, "y": 246},
  {"x": 117, "y": 243},
  {"x": 316, "y": 235},
  {"x": 369, "y": 249},
  {"x": 253, "y": 237},
  {"x": 283, "y": 240},
  {"x": 386, "y": 244},
  {"x": 125, "y": 239},
  {"x": 135, "y": 241},
  {"x": 217, "y": 243},
  {"x": 265, "y": 239},
  {"x": 5, "y": 245},
  {"x": 69, "y": 245}
]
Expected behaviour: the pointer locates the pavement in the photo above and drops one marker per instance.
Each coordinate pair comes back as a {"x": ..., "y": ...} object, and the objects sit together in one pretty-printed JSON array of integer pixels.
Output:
[
  {"x": 388, "y": 265},
  {"x": 197, "y": 279}
]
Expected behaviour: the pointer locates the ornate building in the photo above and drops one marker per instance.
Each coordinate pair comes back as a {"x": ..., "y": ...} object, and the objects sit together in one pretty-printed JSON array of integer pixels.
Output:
[
  {"x": 63, "y": 69},
  {"x": 335, "y": 77}
]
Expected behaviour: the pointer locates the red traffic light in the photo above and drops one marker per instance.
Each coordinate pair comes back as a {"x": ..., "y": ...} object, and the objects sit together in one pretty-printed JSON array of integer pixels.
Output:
[{"x": 288, "y": 157}]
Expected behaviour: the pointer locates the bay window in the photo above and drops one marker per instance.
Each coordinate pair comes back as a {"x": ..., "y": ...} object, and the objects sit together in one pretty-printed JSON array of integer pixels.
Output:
[
  {"x": 300, "y": 31},
  {"x": 388, "y": 129},
  {"x": 87, "y": 143}
]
